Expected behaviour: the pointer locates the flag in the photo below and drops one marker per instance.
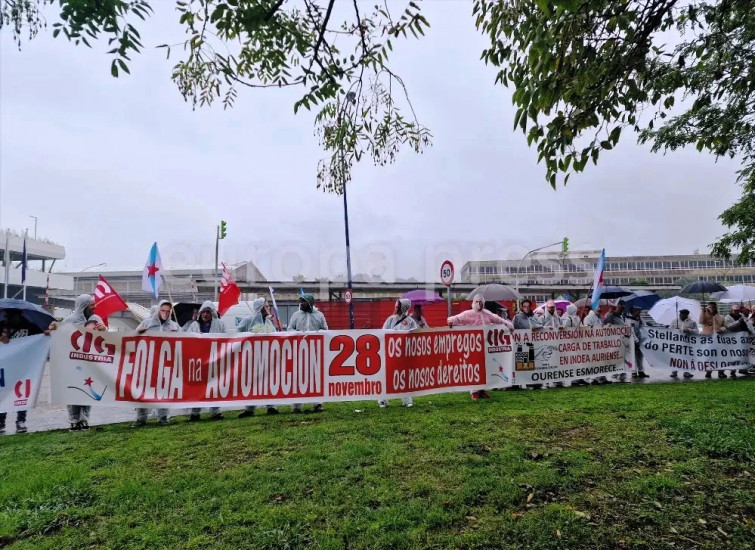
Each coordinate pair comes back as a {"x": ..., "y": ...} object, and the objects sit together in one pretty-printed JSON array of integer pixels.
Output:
[
  {"x": 275, "y": 309},
  {"x": 151, "y": 277},
  {"x": 106, "y": 300},
  {"x": 598, "y": 284},
  {"x": 23, "y": 262},
  {"x": 229, "y": 292}
]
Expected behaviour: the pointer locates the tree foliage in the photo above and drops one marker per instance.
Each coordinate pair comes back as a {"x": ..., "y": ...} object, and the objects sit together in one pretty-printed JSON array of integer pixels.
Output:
[
  {"x": 341, "y": 64},
  {"x": 677, "y": 73}
]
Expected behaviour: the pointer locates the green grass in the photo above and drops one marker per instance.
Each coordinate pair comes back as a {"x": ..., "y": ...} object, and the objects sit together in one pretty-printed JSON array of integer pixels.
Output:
[{"x": 622, "y": 466}]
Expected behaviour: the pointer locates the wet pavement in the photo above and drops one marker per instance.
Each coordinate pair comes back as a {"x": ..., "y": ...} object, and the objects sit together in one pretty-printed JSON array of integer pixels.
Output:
[{"x": 53, "y": 416}]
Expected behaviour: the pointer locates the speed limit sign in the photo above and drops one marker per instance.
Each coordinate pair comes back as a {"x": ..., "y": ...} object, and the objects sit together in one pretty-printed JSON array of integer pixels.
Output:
[
  {"x": 447, "y": 273},
  {"x": 347, "y": 295}
]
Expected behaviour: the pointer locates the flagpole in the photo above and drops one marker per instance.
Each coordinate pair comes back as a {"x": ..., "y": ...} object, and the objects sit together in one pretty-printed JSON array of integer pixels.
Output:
[
  {"x": 6, "y": 260},
  {"x": 23, "y": 264},
  {"x": 170, "y": 298}
]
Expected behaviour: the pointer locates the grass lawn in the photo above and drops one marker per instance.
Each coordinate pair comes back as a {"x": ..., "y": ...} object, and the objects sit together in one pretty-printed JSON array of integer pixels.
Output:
[{"x": 620, "y": 466}]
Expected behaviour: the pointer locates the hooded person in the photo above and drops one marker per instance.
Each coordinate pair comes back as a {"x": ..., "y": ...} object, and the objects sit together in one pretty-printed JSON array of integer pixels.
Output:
[
  {"x": 259, "y": 322},
  {"x": 550, "y": 316},
  {"x": 418, "y": 317},
  {"x": 570, "y": 318},
  {"x": 157, "y": 322},
  {"x": 208, "y": 322},
  {"x": 83, "y": 311},
  {"x": 400, "y": 320},
  {"x": 307, "y": 319},
  {"x": 478, "y": 315}
]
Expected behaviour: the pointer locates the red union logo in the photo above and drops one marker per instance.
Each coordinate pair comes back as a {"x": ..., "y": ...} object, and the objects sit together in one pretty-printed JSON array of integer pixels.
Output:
[
  {"x": 91, "y": 347},
  {"x": 499, "y": 340},
  {"x": 23, "y": 389}
]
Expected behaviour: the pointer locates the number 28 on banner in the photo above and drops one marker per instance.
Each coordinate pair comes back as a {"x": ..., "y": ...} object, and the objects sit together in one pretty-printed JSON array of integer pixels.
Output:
[{"x": 367, "y": 360}]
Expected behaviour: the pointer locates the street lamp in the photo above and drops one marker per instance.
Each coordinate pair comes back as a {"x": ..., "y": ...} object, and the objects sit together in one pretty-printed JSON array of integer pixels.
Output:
[
  {"x": 516, "y": 278},
  {"x": 35, "y": 226},
  {"x": 103, "y": 264}
]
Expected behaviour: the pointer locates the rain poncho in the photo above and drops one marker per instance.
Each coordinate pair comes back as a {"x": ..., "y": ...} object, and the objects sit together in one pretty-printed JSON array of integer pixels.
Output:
[
  {"x": 94, "y": 318},
  {"x": 613, "y": 319},
  {"x": 524, "y": 321},
  {"x": 308, "y": 321},
  {"x": 570, "y": 318},
  {"x": 216, "y": 326},
  {"x": 688, "y": 326},
  {"x": 401, "y": 321},
  {"x": 79, "y": 317},
  {"x": 257, "y": 322},
  {"x": 155, "y": 324},
  {"x": 738, "y": 324},
  {"x": 551, "y": 320},
  {"x": 473, "y": 317},
  {"x": 591, "y": 319}
]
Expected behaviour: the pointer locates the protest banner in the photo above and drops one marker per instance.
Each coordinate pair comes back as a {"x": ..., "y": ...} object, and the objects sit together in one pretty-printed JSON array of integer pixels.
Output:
[
  {"x": 562, "y": 355},
  {"x": 671, "y": 349},
  {"x": 181, "y": 370},
  {"x": 22, "y": 362}
]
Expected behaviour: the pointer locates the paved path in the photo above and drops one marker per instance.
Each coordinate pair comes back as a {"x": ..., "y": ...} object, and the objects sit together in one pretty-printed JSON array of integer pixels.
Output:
[{"x": 53, "y": 416}]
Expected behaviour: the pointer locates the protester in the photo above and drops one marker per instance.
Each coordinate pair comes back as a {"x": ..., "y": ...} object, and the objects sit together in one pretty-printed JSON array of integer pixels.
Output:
[
  {"x": 158, "y": 322},
  {"x": 478, "y": 315},
  {"x": 83, "y": 310},
  {"x": 418, "y": 317},
  {"x": 688, "y": 326},
  {"x": 194, "y": 317},
  {"x": 590, "y": 318},
  {"x": 635, "y": 321},
  {"x": 259, "y": 322},
  {"x": 208, "y": 322},
  {"x": 736, "y": 322},
  {"x": 307, "y": 319},
  {"x": 400, "y": 320},
  {"x": 16, "y": 326},
  {"x": 712, "y": 322},
  {"x": 615, "y": 315},
  {"x": 570, "y": 318},
  {"x": 525, "y": 319},
  {"x": 550, "y": 317}
]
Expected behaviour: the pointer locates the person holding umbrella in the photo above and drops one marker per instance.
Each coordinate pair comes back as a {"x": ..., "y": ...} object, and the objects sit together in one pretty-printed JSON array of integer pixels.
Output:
[
  {"x": 418, "y": 317},
  {"x": 688, "y": 326},
  {"x": 635, "y": 320},
  {"x": 712, "y": 322}
]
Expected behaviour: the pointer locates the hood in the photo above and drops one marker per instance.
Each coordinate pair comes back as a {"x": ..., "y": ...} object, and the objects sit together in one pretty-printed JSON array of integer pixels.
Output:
[
  {"x": 259, "y": 303},
  {"x": 94, "y": 319},
  {"x": 310, "y": 299},
  {"x": 403, "y": 306},
  {"x": 82, "y": 302},
  {"x": 205, "y": 305},
  {"x": 478, "y": 298},
  {"x": 571, "y": 309}
]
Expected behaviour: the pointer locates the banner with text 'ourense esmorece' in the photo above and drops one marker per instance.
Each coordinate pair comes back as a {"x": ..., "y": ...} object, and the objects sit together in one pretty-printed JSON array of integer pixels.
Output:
[
  {"x": 182, "y": 370},
  {"x": 666, "y": 348}
]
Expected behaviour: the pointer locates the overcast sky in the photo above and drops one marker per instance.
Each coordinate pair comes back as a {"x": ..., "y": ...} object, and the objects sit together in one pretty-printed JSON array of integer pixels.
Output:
[{"x": 110, "y": 165}]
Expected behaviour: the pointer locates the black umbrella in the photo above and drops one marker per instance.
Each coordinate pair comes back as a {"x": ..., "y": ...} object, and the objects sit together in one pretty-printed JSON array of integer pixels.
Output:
[
  {"x": 703, "y": 287},
  {"x": 497, "y": 308},
  {"x": 36, "y": 315},
  {"x": 613, "y": 292},
  {"x": 184, "y": 311}
]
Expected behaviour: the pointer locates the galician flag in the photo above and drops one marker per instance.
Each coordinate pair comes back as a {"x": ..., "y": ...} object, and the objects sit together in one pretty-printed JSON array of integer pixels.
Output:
[
  {"x": 597, "y": 284},
  {"x": 151, "y": 277}
]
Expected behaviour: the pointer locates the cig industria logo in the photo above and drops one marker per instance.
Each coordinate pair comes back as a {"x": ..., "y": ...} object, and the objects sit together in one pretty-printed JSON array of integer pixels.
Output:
[{"x": 88, "y": 346}]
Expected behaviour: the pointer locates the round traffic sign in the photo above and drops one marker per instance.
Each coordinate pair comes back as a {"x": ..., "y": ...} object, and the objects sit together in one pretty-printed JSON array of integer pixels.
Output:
[
  {"x": 447, "y": 273},
  {"x": 347, "y": 295}
]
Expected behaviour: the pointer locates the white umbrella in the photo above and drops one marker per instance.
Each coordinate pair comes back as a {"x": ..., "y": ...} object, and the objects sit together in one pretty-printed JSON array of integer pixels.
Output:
[
  {"x": 737, "y": 294},
  {"x": 494, "y": 292},
  {"x": 667, "y": 311}
]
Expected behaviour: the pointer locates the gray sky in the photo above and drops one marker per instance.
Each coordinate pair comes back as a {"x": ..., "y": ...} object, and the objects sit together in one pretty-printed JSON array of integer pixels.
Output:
[{"x": 111, "y": 165}]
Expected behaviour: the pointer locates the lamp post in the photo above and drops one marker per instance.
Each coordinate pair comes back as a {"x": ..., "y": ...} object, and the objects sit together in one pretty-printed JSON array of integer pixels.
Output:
[
  {"x": 516, "y": 279},
  {"x": 35, "y": 226},
  {"x": 103, "y": 264}
]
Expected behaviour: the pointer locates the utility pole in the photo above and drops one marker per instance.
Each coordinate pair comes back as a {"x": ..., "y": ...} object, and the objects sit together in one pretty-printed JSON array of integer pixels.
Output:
[{"x": 220, "y": 233}]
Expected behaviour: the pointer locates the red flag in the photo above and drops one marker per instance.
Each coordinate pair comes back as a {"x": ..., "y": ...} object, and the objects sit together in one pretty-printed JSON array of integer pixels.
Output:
[
  {"x": 106, "y": 300},
  {"x": 229, "y": 292}
]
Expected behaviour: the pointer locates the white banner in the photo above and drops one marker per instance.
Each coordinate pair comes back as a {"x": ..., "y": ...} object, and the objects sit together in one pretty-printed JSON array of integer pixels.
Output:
[
  {"x": 22, "y": 362},
  {"x": 194, "y": 370},
  {"x": 570, "y": 354},
  {"x": 666, "y": 348}
]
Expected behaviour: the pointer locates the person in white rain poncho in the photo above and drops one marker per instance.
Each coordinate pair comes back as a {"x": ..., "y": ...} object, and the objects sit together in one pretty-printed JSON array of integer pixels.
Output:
[
  {"x": 158, "y": 322},
  {"x": 570, "y": 319},
  {"x": 550, "y": 316},
  {"x": 307, "y": 319},
  {"x": 208, "y": 322},
  {"x": 400, "y": 320},
  {"x": 83, "y": 310},
  {"x": 259, "y": 322},
  {"x": 687, "y": 325}
]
